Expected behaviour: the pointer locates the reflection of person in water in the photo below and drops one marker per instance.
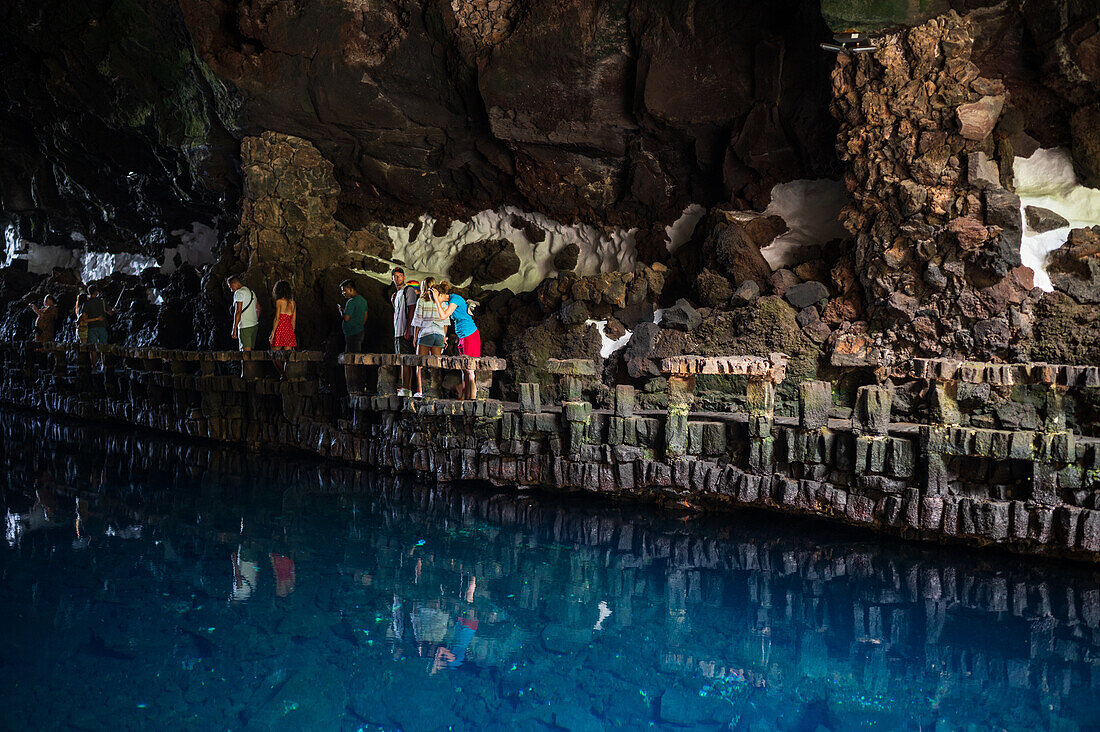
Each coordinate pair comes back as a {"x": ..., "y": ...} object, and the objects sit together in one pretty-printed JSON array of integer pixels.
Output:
[
  {"x": 246, "y": 572},
  {"x": 454, "y": 656},
  {"x": 283, "y": 567}
]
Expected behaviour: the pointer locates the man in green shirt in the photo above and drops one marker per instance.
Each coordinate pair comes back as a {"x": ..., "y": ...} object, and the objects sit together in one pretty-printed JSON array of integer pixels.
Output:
[{"x": 354, "y": 314}]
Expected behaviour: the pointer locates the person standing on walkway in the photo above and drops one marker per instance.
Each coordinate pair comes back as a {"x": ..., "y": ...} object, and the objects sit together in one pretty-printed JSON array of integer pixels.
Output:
[
  {"x": 451, "y": 305},
  {"x": 246, "y": 315},
  {"x": 45, "y": 324},
  {"x": 404, "y": 303},
  {"x": 81, "y": 321},
  {"x": 94, "y": 313},
  {"x": 285, "y": 323},
  {"x": 354, "y": 316},
  {"x": 429, "y": 328}
]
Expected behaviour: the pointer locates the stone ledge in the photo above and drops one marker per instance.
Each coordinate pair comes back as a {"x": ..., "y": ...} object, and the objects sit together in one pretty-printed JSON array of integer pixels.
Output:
[
  {"x": 168, "y": 354},
  {"x": 998, "y": 374},
  {"x": 773, "y": 368},
  {"x": 459, "y": 363},
  {"x": 571, "y": 367}
]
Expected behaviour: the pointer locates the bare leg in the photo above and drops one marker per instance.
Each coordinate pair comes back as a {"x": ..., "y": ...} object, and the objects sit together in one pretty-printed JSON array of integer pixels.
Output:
[
  {"x": 420, "y": 351},
  {"x": 470, "y": 383}
]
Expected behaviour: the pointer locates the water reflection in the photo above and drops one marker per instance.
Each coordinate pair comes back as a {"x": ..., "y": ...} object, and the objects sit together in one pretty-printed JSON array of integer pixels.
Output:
[{"x": 199, "y": 586}]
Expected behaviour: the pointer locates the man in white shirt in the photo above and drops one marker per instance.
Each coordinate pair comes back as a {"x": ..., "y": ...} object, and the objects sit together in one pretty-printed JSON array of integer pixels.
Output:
[
  {"x": 246, "y": 317},
  {"x": 404, "y": 302}
]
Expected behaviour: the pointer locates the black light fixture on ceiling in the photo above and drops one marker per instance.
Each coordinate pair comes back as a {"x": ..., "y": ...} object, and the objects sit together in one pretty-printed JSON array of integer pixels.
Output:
[{"x": 849, "y": 41}]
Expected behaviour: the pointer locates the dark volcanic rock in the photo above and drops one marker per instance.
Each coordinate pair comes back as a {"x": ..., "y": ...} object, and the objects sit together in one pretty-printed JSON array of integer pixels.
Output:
[
  {"x": 745, "y": 293},
  {"x": 638, "y": 354},
  {"x": 1065, "y": 331},
  {"x": 1085, "y": 128},
  {"x": 783, "y": 280},
  {"x": 566, "y": 259},
  {"x": 1041, "y": 219},
  {"x": 806, "y": 294},
  {"x": 682, "y": 316},
  {"x": 574, "y": 313},
  {"x": 487, "y": 262},
  {"x": 731, "y": 249},
  {"x": 931, "y": 218},
  {"x": 1074, "y": 268}
]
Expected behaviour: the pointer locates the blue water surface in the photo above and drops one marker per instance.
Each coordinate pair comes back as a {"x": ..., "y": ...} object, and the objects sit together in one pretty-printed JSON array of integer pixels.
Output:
[{"x": 150, "y": 583}]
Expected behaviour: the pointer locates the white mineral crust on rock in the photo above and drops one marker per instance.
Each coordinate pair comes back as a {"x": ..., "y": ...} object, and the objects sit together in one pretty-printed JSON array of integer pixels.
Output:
[
  {"x": 811, "y": 209},
  {"x": 1047, "y": 179},
  {"x": 679, "y": 231},
  {"x": 196, "y": 247},
  {"x": 601, "y": 249},
  {"x": 608, "y": 345}
]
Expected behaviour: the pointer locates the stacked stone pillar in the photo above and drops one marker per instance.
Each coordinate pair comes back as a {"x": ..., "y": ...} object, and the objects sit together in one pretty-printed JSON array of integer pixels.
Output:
[
  {"x": 811, "y": 441},
  {"x": 681, "y": 398},
  {"x": 763, "y": 374},
  {"x": 871, "y": 424},
  {"x": 1053, "y": 469},
  {"x": 576, "y": 412},
  {"x": 943, "y": 413},
  {"x": 760, "y": 404}
]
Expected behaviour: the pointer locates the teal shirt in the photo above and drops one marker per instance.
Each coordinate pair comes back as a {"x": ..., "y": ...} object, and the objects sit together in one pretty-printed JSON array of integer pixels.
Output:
[{"x": 355, "y": 310}]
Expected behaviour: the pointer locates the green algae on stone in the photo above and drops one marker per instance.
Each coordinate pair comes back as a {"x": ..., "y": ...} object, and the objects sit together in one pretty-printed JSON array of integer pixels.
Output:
[{"x": 879, "y": 14}]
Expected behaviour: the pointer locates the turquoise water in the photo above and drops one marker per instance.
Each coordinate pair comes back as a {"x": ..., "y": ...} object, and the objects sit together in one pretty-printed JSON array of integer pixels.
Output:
[{"x": 156, "y": 584}]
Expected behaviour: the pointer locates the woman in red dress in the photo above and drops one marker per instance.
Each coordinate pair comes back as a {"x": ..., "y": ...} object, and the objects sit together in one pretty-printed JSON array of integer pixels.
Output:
[{"x": 286, "y": 319}]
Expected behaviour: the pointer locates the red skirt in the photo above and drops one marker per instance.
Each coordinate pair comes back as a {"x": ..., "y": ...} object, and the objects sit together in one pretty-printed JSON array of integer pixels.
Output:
[
  {"x": 284, "y": 333},
  {"x": 470, "y": 345}
]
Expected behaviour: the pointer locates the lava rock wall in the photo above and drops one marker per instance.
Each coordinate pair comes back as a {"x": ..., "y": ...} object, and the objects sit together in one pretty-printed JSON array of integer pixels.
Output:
[{"x": 936, "y": 226}]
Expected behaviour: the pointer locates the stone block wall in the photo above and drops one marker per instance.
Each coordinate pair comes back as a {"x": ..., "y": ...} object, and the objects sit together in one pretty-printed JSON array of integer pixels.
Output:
[{"x": 1032, "y": 491}]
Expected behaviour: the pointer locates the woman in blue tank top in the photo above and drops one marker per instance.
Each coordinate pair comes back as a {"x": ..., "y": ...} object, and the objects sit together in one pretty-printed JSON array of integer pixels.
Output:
[{"x": 452, "y": 305}]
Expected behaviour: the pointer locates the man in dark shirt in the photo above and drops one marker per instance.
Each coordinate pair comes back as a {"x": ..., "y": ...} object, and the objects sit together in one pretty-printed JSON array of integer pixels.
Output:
[{"x": 354, "y": 316}]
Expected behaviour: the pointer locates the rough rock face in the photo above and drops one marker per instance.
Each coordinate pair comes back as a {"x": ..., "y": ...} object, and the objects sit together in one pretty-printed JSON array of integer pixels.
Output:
[
  {"x": 111, "y": 127},
  {"x": 487, "y": 262},
  {"x": 733, "y": 243},
  {"x": 1074, "y": 268},
  {"x": 937, "y": 246},
  {"x": 582, "y": 109},
  {"x": 1066, "y": 331},
  {"x": 288, "y": 232}
]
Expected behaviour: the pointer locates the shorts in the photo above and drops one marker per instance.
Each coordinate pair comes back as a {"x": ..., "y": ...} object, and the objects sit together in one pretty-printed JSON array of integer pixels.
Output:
[
  {"x": 246, "y": 337},
  {"x": 403, "y": 345},
  {"x": 431, "y": 340},
  {"x": 97, "y": 335},
  {"x": 470, "y": 345},
  {"x": 353, "y": 342}
]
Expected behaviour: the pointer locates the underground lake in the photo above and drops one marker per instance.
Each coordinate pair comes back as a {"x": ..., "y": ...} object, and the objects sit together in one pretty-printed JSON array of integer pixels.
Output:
[{"x": 150, "y": 582}]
